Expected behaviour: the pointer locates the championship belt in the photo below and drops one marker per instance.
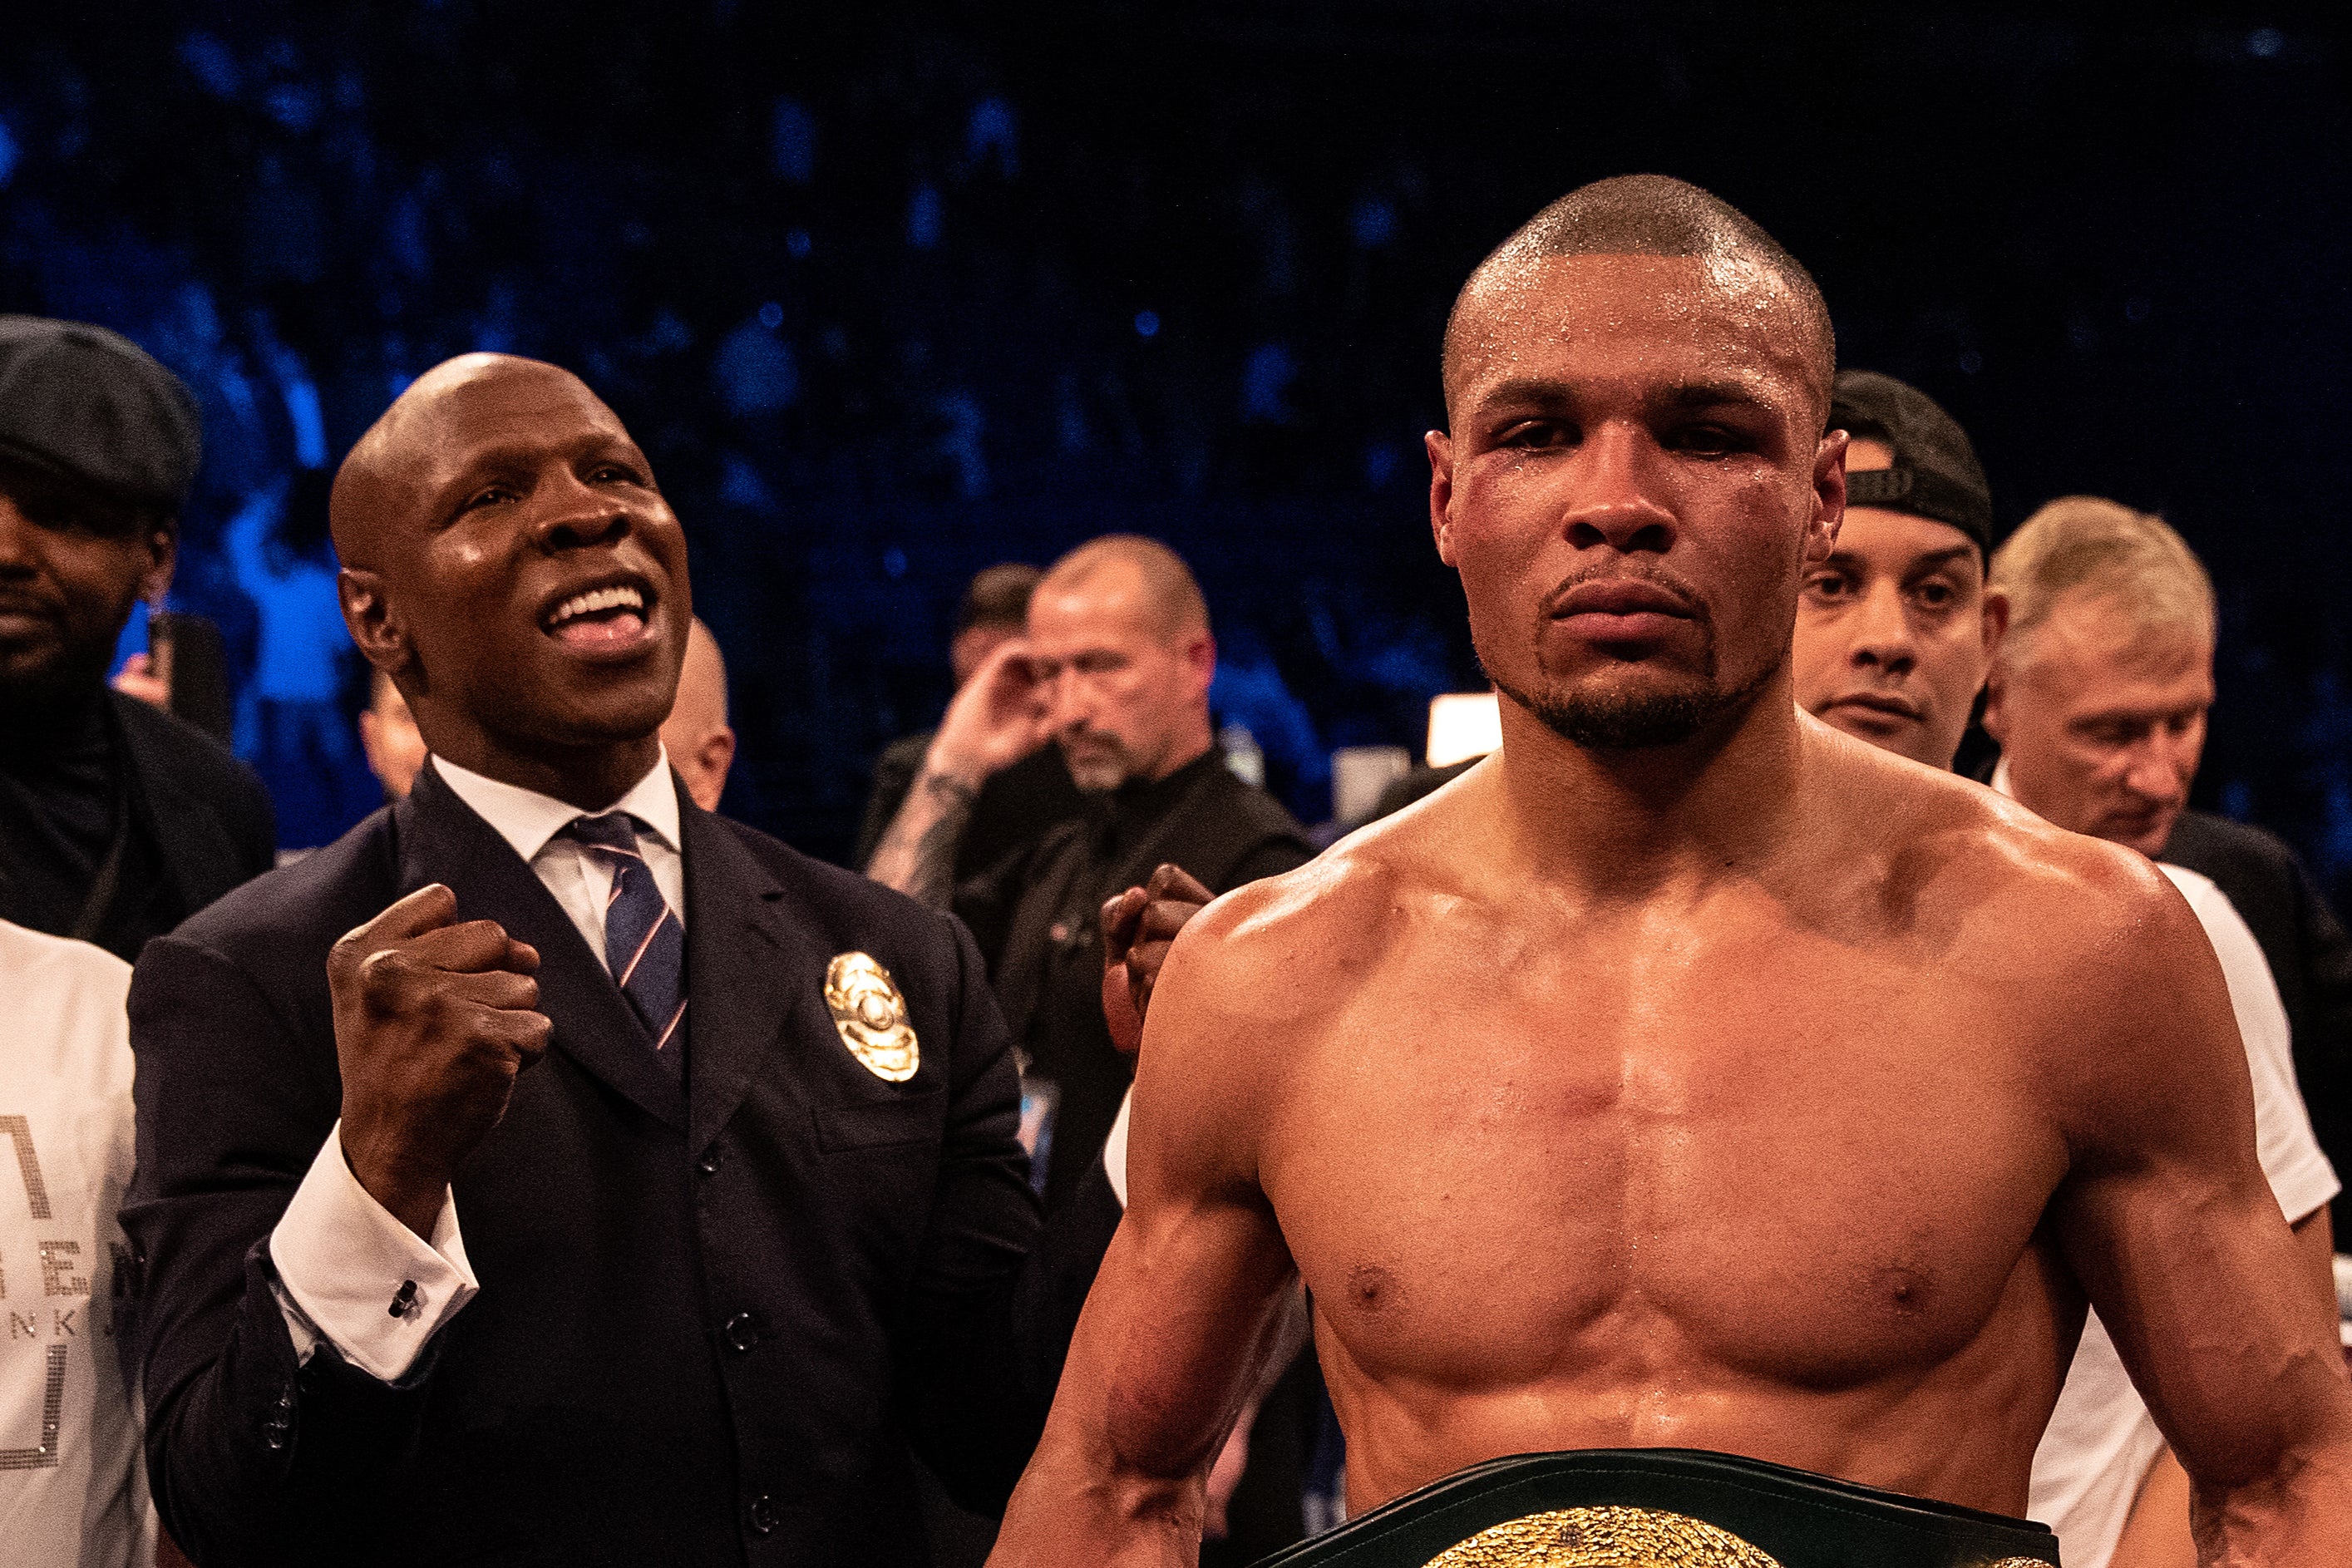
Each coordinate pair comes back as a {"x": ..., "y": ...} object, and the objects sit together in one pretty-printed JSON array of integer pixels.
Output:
[{"x": 1667, "y": 1507}]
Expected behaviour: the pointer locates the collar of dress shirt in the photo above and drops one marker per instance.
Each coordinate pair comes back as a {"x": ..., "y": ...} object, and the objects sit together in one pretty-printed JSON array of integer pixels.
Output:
[{"x": 527, "y": 819}]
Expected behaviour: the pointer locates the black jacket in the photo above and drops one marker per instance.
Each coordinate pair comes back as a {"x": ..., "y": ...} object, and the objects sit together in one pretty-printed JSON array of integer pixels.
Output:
[
  {"x": 1037, "y": 916},
  {"x": 208, "y": 812},
  {"x": 190, "y": 822},
  {"x": 711, "y": 1319},
  {"x": 2310, "y": 958}
]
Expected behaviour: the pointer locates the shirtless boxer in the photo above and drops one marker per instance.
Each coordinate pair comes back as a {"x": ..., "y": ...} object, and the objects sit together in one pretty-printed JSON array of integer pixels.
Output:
[{"x": 1688, "y": 1075}]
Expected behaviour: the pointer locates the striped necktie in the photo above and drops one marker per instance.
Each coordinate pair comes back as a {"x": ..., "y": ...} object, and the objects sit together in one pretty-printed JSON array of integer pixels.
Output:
[{"x": 645, "y": 945}]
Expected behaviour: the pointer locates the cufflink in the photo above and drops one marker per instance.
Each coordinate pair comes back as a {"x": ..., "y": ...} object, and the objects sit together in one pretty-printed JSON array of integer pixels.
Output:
[{"x": 405, "y": 1303}]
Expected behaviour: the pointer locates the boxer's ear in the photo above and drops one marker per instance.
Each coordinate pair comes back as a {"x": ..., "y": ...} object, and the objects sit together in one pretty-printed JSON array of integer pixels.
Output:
[
  {"x": 1439, "y": 447},
  {"x": 1828, "y": 497}
]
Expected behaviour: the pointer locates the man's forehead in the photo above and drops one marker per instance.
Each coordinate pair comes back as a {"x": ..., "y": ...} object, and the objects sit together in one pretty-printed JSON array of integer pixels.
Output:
[
  {"x": 1883, "y": 534},
  {"x": 1716, "y": 319},
  {"x": 2103, "y": 633},
  {"x": 504, "y": 404},
  {"x": 1107, "y": 603}
]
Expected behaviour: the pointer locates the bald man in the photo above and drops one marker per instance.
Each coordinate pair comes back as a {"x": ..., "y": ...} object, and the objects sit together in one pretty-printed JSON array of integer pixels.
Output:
[
  {"x": 549, "y": 1171},
  {"x": 1114, "y": 668},
  {"x": 1697, "y": 1129},
  {"x": 699, "y": 741}
]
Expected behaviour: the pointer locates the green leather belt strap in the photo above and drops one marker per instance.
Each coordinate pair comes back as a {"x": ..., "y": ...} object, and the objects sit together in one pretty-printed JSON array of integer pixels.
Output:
[{"x": 1667, "y": 1507}]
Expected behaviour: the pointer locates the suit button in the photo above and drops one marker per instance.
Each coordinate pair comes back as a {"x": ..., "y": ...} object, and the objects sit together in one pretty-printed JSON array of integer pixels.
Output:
[
  {"x": 763, "y": 1515},
  {"x": 742, "y": 1331},
  {"x": 710, "y": 1163}
]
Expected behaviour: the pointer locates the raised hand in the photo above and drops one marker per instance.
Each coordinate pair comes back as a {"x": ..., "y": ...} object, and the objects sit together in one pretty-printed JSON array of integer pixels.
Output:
[
  {"x": 1139, "y": 926},
  {"x": 998, "y": 717},
  {"x": 433, "y": 1023}
]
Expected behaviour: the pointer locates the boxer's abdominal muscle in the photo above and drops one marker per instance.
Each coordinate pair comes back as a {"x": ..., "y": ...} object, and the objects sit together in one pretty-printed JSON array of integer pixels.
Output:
[{"x": 1728, "y": 1176}]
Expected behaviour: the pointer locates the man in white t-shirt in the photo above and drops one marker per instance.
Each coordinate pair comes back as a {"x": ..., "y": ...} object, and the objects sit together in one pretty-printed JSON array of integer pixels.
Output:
[
  {"x": 2098, "y": 697},
  {"x": 73, "y": 1489}
]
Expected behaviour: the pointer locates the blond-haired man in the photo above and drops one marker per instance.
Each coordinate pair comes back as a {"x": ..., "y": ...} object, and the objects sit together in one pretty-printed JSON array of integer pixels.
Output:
[{"x": 2098, "y": 695}]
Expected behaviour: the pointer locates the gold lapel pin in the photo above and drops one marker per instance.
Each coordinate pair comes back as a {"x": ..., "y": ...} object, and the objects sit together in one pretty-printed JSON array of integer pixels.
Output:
[{"x": 871, "y": 1017}]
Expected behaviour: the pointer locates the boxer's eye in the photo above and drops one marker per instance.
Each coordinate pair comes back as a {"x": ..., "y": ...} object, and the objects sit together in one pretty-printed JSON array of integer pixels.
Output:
[
  {"x": 1532, "y": 434},
  {"x": 1708, "y": 441}
]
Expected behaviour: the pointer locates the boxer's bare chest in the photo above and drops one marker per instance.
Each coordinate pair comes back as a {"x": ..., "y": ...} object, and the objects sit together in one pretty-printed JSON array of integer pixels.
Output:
[{"x": 1725, "y": 1150}]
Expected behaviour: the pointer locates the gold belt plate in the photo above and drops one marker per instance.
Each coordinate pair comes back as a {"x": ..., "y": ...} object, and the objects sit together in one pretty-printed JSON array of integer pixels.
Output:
[
  {"x": 1614, "y": 1537},
  {"x": 1604, "y": 1538}
]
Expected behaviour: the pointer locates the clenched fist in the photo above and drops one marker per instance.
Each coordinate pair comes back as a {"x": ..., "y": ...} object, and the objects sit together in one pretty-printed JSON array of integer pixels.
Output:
[
  {"x": 433, "y": 1022},
  {"x": 1139, "y": 927}
]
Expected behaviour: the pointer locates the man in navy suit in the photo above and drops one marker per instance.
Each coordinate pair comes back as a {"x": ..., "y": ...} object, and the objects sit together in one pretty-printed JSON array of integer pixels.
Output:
[{"x": 549, "y": 1170}]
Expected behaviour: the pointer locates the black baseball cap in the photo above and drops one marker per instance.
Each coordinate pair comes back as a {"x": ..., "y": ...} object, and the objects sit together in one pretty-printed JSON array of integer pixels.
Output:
[
  {"x": 1936, "y": 473},
  {"x": 93, "y": 409}
]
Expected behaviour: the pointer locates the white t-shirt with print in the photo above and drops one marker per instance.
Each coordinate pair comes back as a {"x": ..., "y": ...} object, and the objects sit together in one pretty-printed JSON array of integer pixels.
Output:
[
  {"x": 2101, "y": 1440},
  {"x": 73, "y": 1487}
]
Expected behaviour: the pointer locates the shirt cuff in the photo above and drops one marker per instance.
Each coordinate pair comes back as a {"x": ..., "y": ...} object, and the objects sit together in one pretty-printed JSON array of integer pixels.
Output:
[{"x": 350, "y": 1274}]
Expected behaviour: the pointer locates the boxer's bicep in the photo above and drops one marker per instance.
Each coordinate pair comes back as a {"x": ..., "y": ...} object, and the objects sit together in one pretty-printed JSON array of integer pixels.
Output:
[
  {"x": 1188, "y": 1301},
  {"x": 2171, "y": 1225},
  {"x": 1199, "y": 1269}
]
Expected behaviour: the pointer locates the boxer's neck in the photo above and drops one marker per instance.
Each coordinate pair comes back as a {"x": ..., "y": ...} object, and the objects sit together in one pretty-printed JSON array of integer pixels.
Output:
[{"x": 1612, "y": 824}]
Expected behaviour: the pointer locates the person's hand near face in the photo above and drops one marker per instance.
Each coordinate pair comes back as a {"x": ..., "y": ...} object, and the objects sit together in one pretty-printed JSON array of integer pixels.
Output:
[{"x": 997, "y": 718}]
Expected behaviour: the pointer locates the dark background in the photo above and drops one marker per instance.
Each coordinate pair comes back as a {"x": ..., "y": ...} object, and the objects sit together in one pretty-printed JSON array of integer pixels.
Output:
[{"x": 891, "y": 292}]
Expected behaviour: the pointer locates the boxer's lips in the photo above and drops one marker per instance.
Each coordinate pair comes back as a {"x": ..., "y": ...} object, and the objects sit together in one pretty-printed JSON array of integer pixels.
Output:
[
  {"x": 610, "y": 614},
  {"x": 1624, "y": 610}
]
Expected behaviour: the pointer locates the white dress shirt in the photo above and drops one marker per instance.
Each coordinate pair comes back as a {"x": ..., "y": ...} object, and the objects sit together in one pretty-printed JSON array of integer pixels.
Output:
[
  {"x": 341, "y": 1259},
  {"x": 73, "y": 1484}
]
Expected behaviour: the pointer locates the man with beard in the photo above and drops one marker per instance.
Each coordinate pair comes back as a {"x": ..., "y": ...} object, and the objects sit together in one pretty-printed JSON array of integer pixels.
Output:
[
  {"x": 117, "y": 820},
  {"x": 1114, "y": 668},
  {"x": 1687, "y": 1076}
]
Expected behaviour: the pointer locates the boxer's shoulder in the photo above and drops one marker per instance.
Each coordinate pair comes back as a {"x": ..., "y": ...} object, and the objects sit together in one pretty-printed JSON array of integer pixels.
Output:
[{"x": 1953, "y": 854}]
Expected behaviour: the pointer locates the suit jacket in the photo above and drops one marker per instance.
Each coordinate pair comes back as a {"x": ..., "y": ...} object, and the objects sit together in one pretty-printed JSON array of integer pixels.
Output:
[
  {"x": 2310, "y": 958},
  {"x": 712, "y": 1316}
]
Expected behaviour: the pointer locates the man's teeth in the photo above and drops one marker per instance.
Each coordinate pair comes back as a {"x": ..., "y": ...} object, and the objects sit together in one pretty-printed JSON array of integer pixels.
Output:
[{"x": 595, "y": 599}]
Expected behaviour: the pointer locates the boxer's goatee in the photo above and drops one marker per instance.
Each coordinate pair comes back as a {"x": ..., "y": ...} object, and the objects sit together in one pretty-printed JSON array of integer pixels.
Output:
[
  {"x": 1635, "y": 721},
  {"x": 1623, "y": 721}
]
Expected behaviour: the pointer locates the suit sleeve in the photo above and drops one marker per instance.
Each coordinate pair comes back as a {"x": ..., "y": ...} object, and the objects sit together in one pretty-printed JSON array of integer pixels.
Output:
[
  {"x": 254, "y": 1455},
  {"x": 965, "y": 1402}
]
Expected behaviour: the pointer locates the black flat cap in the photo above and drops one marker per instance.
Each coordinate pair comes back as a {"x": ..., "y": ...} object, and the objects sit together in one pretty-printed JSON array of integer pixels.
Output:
[
  {"x": 91, "y": 406},
  {"x": 1936, "y": 472}
]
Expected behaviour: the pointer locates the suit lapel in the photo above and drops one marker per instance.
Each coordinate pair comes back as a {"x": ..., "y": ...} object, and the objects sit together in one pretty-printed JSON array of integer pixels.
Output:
[
  {"x": 443, "y": 839},
  {"x": 742, "y": 956}
]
